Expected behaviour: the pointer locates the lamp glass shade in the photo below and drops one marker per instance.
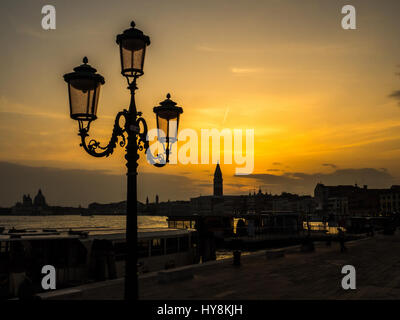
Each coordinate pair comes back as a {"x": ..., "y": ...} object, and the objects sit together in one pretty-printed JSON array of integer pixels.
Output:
[
  {"x": 132, "y": 57},
  {"x": 167, "y": 130},
  {"x": 84, "y": 98}
]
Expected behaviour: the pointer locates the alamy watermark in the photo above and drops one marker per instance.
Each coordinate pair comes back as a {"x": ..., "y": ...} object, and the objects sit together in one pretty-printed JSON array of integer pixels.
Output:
[
  {"x": 188, "y": 153},
  {"x": 349, "y": 280},
  {"x": 349, "y": 20},
  {"x": 49, "y": 280},
  {"x": 49, "y": 18}
]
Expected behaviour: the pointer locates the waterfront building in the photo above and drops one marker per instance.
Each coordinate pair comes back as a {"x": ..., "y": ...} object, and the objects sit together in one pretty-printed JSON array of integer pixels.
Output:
[
  {"x": 40, "y": 200},
  {"x": 28, "y": 207},
  {"x": 390, "y": 201},
  {"x": 348, "y": 200},
  {"x": 39, "y": 207}
]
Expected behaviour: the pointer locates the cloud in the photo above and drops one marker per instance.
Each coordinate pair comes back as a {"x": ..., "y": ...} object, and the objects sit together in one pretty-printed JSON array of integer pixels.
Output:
[
  {"x": 246, "y": 70},
  {"x": 73, "y": 187},
  {"x": 237, "y": 185},
  {"x": 299, "y": 182},
  {"x": 273, "y": 170},
  {"x": 395, "y": 95},
  {"x": 205, "y": 184},
  {"x": 206, "y": 48},
  {"x": 276, "y": 163},
  {"x": 330, "y": 165}
]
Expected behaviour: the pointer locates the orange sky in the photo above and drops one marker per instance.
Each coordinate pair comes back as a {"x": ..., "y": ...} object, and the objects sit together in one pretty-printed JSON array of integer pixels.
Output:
[{"x": 316, "y": 95}]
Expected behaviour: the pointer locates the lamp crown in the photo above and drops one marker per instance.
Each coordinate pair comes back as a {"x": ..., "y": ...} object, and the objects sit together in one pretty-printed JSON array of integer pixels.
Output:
[
  {"x": 133, "y": 33},
  {"x": 86, "y": 71}
]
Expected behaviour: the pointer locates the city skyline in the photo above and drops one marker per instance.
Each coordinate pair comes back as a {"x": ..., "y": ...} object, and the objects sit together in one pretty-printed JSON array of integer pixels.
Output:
[{"x": 113, "y": 185}]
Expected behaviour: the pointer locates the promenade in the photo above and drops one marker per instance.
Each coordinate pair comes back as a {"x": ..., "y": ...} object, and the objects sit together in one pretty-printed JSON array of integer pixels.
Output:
[{"x": 297, "y": 275}]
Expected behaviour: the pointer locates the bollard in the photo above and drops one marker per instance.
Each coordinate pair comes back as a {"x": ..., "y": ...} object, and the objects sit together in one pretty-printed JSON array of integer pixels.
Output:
[{"x": 236, "y": 257}]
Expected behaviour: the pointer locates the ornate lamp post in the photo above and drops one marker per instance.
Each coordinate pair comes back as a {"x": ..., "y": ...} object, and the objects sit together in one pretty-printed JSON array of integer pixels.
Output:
[{"x": 83, "y": 88}]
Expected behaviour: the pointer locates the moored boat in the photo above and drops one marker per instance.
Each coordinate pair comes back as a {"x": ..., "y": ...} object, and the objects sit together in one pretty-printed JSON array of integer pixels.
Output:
[{"x": 80, "y": 258}]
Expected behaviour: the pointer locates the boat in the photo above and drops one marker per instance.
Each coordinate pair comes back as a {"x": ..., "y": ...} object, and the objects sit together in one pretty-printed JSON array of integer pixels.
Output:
[
  {"x": 13, "y": 230},
  {"x": 86, "y": 214},
  {"x": 83, "y": 234},
  {"x": 80, "y": 258},
  {"x": 255, "y": 231}
]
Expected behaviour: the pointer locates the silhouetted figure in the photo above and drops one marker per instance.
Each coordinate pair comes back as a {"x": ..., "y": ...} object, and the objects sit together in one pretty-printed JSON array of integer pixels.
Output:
[
  {"x": 341, "y": 240},
  {"x": 237, "y": 246},
  {"x": 236, "y": 257},
  {"x": 368, "y": 228},
  {"x": 241, "y": 229},
  {"x": 17, "y": 266}
]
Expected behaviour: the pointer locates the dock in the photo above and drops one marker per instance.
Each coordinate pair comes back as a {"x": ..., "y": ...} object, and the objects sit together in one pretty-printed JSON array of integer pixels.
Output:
[{"x": 290, "y": 274}]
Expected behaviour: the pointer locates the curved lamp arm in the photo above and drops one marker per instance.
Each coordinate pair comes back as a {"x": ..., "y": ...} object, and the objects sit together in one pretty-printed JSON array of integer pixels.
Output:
[{"x": 94, "y": 148}]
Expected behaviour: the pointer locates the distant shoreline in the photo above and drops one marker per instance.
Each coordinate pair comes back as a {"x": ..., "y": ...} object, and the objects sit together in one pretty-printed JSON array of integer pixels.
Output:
[{"x": 10, "y": 214}]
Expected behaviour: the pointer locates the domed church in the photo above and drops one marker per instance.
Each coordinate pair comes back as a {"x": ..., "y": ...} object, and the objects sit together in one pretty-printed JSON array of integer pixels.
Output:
[{"x": 40, "y": 200}]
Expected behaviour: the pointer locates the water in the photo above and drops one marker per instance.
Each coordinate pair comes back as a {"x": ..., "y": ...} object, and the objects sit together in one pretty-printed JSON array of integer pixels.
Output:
[
  {"x": 104, "y": 224},
  {"x": 94, "y": 224}
]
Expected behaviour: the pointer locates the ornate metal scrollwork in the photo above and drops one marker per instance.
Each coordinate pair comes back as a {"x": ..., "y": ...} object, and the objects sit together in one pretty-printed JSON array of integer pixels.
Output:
[
  {"x": 93, "y": 145},
  {"x": 142, "y": 142},
  {"x": 94, "y": 148}
]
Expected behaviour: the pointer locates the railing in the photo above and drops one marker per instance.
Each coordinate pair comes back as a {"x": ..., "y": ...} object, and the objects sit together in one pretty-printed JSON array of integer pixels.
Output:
[{"x": 265, "y": 232}]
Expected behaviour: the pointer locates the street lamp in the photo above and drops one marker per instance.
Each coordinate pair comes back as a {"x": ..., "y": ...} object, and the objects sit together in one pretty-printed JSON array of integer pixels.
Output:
[
  {"x": 83, "y": 88},
  {"x": 167, "y": 123}
]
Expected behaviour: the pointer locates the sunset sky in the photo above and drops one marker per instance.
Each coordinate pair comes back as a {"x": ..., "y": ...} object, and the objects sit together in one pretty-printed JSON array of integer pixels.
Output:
[{"x": 323, "y": 101}]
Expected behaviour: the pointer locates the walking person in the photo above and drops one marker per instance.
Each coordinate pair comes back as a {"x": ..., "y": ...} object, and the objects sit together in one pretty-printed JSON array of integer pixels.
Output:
[
  {"x": 341, "y": 240},
  {"x": 368, "y": 229}
]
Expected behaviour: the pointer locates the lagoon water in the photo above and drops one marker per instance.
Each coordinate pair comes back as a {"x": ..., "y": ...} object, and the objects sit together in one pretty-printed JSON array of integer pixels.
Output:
[{"x": 94, "y": 224}]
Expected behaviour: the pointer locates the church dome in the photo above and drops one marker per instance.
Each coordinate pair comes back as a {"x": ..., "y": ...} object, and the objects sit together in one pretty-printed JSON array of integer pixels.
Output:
[{"x": 39, "y": 200}]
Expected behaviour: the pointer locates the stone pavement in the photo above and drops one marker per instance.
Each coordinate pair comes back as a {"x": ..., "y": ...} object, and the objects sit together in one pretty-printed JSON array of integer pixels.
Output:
[{"x": 296, "y": 276}]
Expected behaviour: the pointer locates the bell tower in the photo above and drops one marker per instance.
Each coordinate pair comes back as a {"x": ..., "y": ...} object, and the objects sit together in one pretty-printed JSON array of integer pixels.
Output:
[{"x": 218, "y": 190}]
